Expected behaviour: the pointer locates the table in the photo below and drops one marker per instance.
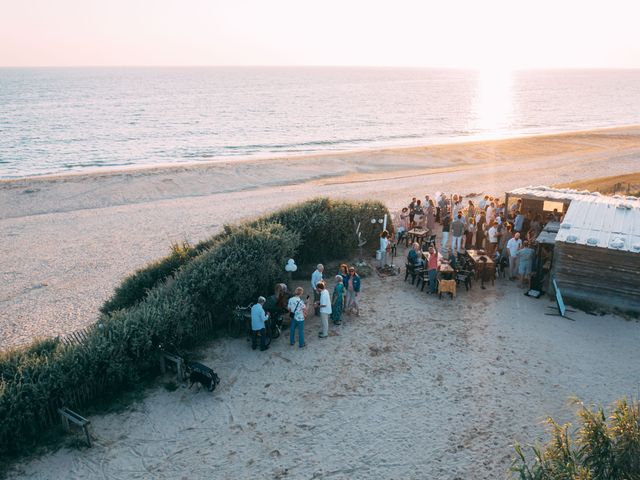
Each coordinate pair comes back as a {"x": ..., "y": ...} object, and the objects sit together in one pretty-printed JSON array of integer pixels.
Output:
[
  {"x": 446, "y": 271},
  {"x": 485, "y": 270},
  {"x": 416, "y": 234}
]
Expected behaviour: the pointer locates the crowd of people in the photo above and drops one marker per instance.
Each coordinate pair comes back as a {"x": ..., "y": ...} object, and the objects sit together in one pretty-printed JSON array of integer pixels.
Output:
[
  {"x": 328, "y": 306},
  {"x": 506, "y": 236}
]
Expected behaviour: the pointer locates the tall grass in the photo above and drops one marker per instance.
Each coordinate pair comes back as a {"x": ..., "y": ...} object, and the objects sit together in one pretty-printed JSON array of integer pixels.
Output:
[{"x": 601, "y": 448}]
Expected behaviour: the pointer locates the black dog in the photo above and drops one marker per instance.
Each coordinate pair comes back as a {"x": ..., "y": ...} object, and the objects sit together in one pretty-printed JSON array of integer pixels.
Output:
[{"x": 203, "y": 375}]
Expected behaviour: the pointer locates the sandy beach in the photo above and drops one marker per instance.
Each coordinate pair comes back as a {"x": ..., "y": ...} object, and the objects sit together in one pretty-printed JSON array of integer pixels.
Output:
[
  {"x": 69, "y": 240},
  {"x": 417, "y": 387}
]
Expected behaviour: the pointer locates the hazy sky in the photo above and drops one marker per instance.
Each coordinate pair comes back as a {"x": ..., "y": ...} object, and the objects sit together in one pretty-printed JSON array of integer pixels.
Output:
[{"x": 443, "y": 33}]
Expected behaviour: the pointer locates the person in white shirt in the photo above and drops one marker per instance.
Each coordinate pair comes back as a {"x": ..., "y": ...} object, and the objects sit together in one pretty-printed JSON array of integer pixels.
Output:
[
  {"x": 325, "y": 309},
  {"x": 492, "y": 236},
  {"x": 513, "y": 246},
  {"x": 316, "y": 277},
  {"x": 384, "y": 246},
  {"x": 491, "y": 212},
  {"x": 258, "y": 317},
  {"x": 298, "y": 307}
]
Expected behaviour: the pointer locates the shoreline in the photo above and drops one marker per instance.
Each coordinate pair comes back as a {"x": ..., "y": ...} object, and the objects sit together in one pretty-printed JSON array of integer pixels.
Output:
[
  {"x": 261, "y": 158},
  {"x": 81, "y": 191},
  {"x": 71, "y": 240}
]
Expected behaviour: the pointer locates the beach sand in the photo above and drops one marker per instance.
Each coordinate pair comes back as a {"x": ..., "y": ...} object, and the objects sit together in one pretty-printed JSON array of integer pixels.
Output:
[
  {"x": 417, "y": 387},
  {"x": 67, "y": 241}
]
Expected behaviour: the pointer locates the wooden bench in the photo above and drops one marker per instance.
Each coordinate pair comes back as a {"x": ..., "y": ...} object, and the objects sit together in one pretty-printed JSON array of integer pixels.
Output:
[
  {"x": 178, "y": 361},
  {"x": 67, "y": 415}
]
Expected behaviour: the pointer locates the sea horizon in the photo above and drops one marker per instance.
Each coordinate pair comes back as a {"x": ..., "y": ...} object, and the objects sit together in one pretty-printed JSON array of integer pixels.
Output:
[{"x": 60, "y": 120}]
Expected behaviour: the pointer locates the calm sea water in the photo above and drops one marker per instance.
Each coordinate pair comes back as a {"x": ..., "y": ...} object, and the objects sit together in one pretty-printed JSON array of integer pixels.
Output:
[{"x": 56, "y": 120}]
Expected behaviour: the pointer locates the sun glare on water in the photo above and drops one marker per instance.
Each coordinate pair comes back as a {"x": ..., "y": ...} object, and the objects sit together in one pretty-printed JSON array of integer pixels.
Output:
[{"x": 493, "y": 102}]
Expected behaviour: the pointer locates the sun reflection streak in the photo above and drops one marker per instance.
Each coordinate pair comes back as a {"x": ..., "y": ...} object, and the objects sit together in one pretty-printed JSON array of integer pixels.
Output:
[{"x": 493, "y": 103}]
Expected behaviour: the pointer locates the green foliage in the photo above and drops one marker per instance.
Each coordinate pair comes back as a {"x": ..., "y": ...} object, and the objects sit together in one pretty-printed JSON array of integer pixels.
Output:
[
  {"x": 135, "y": 287},
  {"x": 600, "y": 449},
  {"x": 326, "y": 229},
  {"x": 164, "y": 303}
]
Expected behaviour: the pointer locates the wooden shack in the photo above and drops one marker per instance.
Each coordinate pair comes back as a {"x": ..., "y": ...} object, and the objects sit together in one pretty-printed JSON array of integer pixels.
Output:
[
  {"x": 595, "y": 257},
  {"x": 597, "y": 253}
]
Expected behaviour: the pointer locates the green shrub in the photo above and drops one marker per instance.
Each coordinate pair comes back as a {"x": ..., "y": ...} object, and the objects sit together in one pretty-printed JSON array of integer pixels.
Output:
[
  {"x": 326, "y": 228},
  {"x": 135, "y": 287},
  {"x": 164, "y": 304},
  {"x": 601, "y": 449}
]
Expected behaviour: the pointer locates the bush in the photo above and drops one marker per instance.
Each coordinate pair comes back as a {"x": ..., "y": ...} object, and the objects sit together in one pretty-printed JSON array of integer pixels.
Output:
[
  {"x": 164, "y": 304},
  {"x": 600, "y": 449},
  {"x": 326, "y": 228},
  {"x": 135, "y": 287}
]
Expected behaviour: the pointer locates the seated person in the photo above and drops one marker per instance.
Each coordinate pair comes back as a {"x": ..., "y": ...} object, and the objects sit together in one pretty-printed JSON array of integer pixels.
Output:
[{"x": 414, "y": 257}]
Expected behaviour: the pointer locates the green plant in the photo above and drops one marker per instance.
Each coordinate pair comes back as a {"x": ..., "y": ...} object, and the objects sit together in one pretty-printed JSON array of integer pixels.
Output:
[
  {"x": 600, "y": 449},
  {"x": 166, "y": 303}
]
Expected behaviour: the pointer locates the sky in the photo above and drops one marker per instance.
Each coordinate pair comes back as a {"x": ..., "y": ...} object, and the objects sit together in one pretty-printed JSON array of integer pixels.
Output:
[{"x": 484, "y": 34}]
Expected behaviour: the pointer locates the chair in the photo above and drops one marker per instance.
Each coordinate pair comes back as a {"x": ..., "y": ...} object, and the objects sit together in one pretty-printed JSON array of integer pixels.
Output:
[
  {"x": 431, "y": 242},
  {"x": 423, "y": 278},
  {"x": 410, "y": 269},
  {"x": 464, "y": 276}
]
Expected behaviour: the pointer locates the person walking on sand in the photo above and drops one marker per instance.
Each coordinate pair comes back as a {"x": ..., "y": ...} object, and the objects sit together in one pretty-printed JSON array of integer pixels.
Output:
[
  {"x": 298, "y": 311},
  {"x": 337, "y": 301},
  {"x": 258, "y": 317},
  {"x": 316, "y": 278},
  {"x": 325, "y": 309},
  {"x": 353, "y": 292}
]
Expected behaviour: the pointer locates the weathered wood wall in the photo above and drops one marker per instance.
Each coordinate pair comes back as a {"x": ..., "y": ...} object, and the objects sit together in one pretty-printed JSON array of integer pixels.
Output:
[{"x": 609, "y": 278}]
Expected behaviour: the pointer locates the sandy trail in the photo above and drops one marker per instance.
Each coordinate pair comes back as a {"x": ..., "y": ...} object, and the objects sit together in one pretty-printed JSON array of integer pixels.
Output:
[{"x": 417, "y": 387}]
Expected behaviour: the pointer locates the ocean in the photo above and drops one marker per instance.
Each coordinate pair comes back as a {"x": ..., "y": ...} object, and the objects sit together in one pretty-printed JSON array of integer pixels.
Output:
[{"x": 59, "y": 120}]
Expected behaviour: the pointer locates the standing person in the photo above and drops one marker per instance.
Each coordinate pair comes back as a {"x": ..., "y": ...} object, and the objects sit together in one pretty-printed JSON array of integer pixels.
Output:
[
  {"x": 412, "y": 206},
  {"x": 471, "y": 229},
  {"x": 344, "y": 273},
  {"x": 525, "y": 263},
  {"x": 491, "y": 213},
  {"x": 433, "y": 262},
  {"x": 258, "y": 317},
  {"x": 471, "y": 210},
  {"x": 403, "y": 224},
  {"x": 457, "y": 230},
  {"x": 513, "y": 246},
  {"x": 384, "y": 246},
  {"x": 353, "y": 292},
  {"x": 492, "y": 235},
  {"x": 438, "y": 201},
  {"x": 518, "y": 223},
  {"x": 298, "y": 310},
  {"x": 480, "y": 232},
  {"x": 337, "y": 301},
  {"x": 316, "y": 278},
  {"x": 446, "y": 224},
  {"x": 431, "y": 216},
  {"x": 325, "y": 309},
  {"x": 507, "y": 234}
]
